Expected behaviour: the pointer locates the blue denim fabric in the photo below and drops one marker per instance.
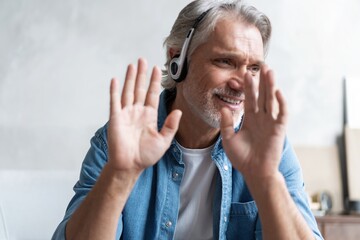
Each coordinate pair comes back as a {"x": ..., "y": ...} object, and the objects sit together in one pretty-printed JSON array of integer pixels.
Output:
[{"x": 154, "y": 201}]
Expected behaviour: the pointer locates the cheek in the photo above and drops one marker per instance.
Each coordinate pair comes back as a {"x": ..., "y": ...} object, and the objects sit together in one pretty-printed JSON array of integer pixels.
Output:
[
  {"x": 213, "y": 79},
  {"x": 205, "y": 79}
]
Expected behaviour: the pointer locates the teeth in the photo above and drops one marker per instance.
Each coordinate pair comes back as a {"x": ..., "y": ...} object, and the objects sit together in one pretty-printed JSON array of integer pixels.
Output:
[{"x": 230, "y": 100}]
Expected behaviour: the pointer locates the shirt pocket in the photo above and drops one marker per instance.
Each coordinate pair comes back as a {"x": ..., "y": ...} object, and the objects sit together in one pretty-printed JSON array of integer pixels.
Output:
[{"x": 243, "y": 221}]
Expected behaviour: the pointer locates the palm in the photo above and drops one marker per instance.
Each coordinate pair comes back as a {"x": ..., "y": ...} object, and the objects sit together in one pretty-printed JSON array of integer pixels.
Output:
[
  {"x": 257, "y": 148},
  {"x": 134, "y": 140},
  {"x": 132, "y": 130}
]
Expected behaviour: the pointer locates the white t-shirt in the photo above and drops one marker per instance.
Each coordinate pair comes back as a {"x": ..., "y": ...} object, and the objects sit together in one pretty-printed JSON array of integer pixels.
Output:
[{"x": 195, "y": 220}]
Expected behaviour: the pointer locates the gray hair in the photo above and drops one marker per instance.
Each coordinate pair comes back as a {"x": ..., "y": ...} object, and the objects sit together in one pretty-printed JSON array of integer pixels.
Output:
[{"x": 218, "y": 9}]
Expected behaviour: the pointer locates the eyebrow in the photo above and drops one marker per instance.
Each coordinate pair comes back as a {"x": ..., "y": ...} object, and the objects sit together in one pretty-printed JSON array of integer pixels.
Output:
[{"x": 228, "y": 54}]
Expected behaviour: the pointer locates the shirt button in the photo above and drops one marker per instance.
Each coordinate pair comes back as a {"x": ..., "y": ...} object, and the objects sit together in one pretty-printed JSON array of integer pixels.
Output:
[
  {"x": 226, "y": 167},
  {"x": 175, "y": 175},
  {"x": 168, "y": 224},
  {"x": 225, "y": 219}
]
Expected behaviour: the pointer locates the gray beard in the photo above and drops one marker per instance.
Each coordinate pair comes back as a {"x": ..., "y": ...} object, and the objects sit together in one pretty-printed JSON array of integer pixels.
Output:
[{"x": 214, "y": 120}]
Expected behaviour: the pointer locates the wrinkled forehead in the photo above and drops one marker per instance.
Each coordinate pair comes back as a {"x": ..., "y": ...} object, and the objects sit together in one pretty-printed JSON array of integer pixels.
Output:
[{"x": 236, "y": 35}]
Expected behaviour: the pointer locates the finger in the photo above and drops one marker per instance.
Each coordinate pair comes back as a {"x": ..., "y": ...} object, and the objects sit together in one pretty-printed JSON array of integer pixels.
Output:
[
  {"x": 250, "y": 95},
  {"x": 171, "y": 126},
  {"x": 262, "y": 87},
  {"x": 140, "y": 88},
  {"x": 283, "y": 112},
  {"x": 152, "y": 95},
  {"x": 115, "y": 106},
  {"x": 227, "y": 125},
  {"x": 127, "y": 96},
  {"x": 270, "y": 105}
]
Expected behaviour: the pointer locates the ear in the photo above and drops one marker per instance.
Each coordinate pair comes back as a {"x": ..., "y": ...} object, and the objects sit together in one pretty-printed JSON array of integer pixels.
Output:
[{"x": 173, "y": 52}]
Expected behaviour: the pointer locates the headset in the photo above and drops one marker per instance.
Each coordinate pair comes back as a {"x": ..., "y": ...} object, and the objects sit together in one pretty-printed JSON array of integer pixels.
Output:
[{"x": 178, "y": 65}]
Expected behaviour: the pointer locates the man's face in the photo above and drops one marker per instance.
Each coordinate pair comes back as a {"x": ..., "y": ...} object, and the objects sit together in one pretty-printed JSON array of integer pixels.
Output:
[{"x": 217, "y": 69}]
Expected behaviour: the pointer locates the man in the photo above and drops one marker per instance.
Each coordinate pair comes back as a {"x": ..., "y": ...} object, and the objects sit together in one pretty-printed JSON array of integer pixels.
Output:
[{"x": 209, "y": 160}]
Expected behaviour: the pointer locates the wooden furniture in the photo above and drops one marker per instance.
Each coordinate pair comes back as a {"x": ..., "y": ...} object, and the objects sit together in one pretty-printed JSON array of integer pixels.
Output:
[{"x": 339, "y": 227}]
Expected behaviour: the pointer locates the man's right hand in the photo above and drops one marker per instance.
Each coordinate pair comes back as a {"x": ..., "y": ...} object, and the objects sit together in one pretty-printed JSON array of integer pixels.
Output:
[
  {"x": 133, "y": 137},
  {"x": 134, "y": 144}
]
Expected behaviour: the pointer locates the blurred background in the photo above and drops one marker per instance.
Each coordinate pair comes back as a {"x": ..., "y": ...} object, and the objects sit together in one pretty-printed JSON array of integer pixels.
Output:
[{"x": 57, "y": 59}]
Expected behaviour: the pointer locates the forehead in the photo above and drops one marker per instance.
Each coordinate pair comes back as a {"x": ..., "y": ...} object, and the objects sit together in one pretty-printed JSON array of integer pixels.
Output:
[{"x": 236, "y": 36}]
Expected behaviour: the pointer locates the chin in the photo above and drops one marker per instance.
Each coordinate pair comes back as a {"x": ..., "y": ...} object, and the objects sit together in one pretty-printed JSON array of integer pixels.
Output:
[{"x": 213, "y": 121}]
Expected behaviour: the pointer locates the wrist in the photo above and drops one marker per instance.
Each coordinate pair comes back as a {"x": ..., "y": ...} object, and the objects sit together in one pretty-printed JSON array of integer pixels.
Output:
[
  {"x": 117, "y": 181},
  {"x": 262, "y": 186}
]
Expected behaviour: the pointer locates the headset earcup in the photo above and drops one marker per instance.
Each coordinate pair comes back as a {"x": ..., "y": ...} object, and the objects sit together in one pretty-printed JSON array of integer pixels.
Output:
[
  {"x": 183, "y": 71},
  {"x": 174, "y": 70}
]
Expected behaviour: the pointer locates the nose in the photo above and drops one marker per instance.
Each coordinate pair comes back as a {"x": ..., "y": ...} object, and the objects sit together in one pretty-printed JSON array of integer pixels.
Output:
[{"x": 238, "y": 78}]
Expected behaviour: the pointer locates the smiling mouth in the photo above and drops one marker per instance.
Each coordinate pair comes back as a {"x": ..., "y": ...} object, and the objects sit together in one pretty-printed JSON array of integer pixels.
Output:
[{"x": 230, "y": 100}]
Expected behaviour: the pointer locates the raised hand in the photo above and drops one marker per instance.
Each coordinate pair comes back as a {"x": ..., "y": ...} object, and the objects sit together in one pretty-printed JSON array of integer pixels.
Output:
[
  {"x": 256, "y": 149},
  {"x": 134, "y": 140}
]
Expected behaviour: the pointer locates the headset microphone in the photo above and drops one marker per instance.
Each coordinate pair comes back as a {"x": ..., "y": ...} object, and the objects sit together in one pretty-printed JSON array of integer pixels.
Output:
[{"x": 178, "y": 65}]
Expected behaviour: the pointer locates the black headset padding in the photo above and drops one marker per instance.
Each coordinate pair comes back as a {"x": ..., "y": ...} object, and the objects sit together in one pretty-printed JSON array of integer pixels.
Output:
[{"x": 174, "y": 64}]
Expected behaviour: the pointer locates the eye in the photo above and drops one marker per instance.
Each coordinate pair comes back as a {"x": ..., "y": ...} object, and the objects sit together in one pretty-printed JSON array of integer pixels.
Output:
[
  {"x": 254, "y": 69},
  {"x": 223, "y": 62}
]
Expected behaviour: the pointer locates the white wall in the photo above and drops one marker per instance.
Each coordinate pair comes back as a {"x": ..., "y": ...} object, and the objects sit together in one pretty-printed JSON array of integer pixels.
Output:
[
  {"x": 57, "y": 58},
  {"x": 56, "y": 62},
  {"x": 315, "y": 45}
]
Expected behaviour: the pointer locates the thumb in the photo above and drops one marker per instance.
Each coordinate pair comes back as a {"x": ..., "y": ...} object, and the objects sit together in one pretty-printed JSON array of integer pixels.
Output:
[
  {"x": 171, "y": 125},
  {"x": 227, "y": 125}
]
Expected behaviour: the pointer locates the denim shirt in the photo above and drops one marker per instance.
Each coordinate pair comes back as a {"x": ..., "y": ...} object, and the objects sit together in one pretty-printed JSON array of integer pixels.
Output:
[{"x": 151, "y": 210}]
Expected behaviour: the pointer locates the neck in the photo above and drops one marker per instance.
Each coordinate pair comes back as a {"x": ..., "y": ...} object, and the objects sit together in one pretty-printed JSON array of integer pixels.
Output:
[{"x": 193, "y": 132}]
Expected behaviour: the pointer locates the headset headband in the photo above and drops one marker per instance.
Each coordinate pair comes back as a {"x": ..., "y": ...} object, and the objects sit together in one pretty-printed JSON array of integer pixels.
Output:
[{"x": 177, "y": 67}]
